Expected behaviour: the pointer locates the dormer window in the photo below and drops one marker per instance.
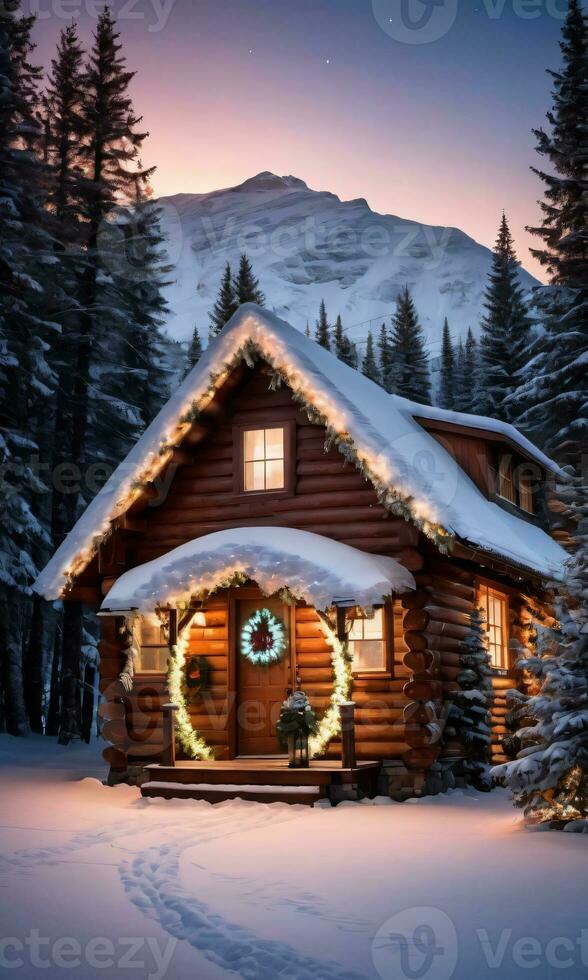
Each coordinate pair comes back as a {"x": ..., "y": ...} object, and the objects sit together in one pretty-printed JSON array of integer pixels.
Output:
[
  {"x": 506, "y": 487},
  {"x": 515, "y": 482},
  {"x": 525, "y": 494}
]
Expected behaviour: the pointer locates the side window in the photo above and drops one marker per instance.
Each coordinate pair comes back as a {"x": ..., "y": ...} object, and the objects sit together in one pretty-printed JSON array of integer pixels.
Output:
[
  {"x": 494, "y": 606},
  {"x": 154, "y": 650},
  {"x": 367, "y": 640}
]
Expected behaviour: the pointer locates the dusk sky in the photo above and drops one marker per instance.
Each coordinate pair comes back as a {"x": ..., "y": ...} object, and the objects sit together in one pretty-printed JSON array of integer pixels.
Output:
[{"x": 330, "y": 91}]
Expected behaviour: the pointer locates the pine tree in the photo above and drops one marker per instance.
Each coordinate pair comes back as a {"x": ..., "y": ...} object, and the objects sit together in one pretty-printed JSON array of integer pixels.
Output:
[
  {"x": 225, "y": 305},
  {"x": 410, "y": 375},
  {"x": 145, "y": 271},
  {"x": 322, "y": 333},
  {"x": 386, "y": 358},
  {"x": 194, "y": 351},
  {"x": 369, "y": 366},
  {"x": 469, "y": 719},
  {"x": 27, "y": 297},
  {"x": 471, "y": 373},
  {"x": 345, "y": 349},
  {"x": 115, "y": 332},
  {"x": 565, "y": 210},
  {"x": 447, "y": 390},
  {"x": 552, "y": 404},
  {"x": 505, "y": 331},
  {"x": 459, "y": 373},
  {"x": 246, "y": 286},
  {"x": 549, "y": 778},
  {"x": 65, "y": 129}
]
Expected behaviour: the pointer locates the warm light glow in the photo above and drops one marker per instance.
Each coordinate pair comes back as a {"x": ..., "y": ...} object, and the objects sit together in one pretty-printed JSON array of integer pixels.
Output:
[
  {"x": 330, "y": 724},
  {"x": 187, "y": 739},
  {"x": 249, "y": 341}
]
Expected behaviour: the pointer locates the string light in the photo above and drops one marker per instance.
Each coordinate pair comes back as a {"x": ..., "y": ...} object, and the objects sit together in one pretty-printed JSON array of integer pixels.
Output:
[
  {"x": 187, "y": 738},
  {"x": 330, "y": 723},
  {"x": 263, "y": 638},
  {"x": 249, "y": 341}
]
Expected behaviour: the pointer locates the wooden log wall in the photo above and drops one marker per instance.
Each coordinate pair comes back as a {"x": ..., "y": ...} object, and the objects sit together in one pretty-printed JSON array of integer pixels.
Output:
[
  {"x": 380, "y": 701},
  {"x": 398, "y": 716},
  {"x": 330, "y": 496}
]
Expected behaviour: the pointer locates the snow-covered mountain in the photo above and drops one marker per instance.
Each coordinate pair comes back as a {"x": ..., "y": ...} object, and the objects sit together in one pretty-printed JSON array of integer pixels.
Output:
[{"x": 308, "y": 245}]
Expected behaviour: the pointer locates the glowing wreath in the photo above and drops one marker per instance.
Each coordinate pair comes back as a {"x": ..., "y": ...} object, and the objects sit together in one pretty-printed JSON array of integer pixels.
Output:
[{"x": 263, "y": 638}]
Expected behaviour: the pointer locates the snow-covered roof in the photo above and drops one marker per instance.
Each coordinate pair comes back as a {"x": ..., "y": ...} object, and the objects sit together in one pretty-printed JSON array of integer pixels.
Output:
[
  {"x": 413, "y": 473},
  {"x": 317, "y": 569},
  {"x": 503, "y": 429}
]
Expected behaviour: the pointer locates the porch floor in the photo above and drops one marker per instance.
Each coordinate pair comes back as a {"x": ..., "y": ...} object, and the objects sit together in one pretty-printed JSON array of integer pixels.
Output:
[{"x": 266, "y": 779}]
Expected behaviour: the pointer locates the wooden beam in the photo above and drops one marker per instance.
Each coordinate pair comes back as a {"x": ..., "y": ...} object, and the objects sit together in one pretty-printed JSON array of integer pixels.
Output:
[
  {"x": 168, "y": 755},
  {"x": 173, "y": 627},
  {"x": 88, "y": 594},
  {"x": 348, "y": 753}
]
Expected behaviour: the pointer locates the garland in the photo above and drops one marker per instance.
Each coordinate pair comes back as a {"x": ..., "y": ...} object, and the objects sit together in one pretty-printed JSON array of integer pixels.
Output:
[
  {"x": 330, "y": 723},
  {"x": 187, "y": 738},
  {"x": 401, "y": 505}
]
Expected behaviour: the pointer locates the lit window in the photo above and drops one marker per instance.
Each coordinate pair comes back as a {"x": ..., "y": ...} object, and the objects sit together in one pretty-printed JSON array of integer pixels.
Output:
[
  {"x": 154, "y": 650},
  {"x": 495, "y": 610},
  {"x": 263, "y": 457},
  {"x": 525, "y": 494},
  {"x": 505, "y": 481},
  {"x": 367, "y": 645}
]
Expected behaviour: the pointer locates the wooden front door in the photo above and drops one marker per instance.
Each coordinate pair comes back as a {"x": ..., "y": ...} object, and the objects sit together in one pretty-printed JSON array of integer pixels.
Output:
[{"x": 260, "y": 688}]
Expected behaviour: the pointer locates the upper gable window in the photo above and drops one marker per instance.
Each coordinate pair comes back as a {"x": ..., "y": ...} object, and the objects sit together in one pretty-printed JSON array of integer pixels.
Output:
[{"x": 264, "y": 460}]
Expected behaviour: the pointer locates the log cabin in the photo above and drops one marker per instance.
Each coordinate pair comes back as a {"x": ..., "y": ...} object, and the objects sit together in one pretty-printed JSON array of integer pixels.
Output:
[{"x": 285, "y": 524}]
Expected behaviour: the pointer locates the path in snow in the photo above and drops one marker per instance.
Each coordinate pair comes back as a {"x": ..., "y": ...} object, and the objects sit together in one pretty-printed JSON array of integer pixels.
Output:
[{"x": 153, "y": 882}]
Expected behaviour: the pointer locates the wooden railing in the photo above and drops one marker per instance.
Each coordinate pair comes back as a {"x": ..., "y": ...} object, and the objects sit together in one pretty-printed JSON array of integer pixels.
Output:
[
  {"x": 168, "y": 755},
  {"x": 348, "y": 755}
]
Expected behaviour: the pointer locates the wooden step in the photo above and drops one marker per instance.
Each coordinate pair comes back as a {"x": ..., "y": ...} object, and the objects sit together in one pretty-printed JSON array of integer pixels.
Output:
[
  {"x": 266, "y": 772},
  {"x": 218, "y": 793}
]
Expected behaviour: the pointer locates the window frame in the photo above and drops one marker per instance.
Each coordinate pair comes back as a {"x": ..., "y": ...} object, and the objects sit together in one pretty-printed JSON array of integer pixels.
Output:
[
  {"x": 387, "y": 671},
  {"x": 506, "y": 476},
  {"x": 492, "y": 588},
  {"x": 239, "y": 430},
  {"x": 518, "y": 474},
  {"x": 142, "y": 671}
]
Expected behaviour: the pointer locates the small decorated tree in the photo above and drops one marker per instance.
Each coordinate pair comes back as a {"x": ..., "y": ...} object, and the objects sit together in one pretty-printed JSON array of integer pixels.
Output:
[
  {"x": 297, "y": 722},
  {"x": 549, "y": 777},
  {"x": 469, "y": 719}
]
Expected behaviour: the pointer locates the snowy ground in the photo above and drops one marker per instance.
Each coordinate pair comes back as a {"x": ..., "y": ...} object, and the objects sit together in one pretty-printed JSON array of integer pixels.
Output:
[{"x": 95, "y": 882}]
